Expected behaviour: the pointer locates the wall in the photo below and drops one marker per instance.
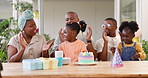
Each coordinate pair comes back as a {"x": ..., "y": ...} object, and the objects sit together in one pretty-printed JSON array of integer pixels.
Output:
[
  {"x": 92, "y": 11},
  {"x": 144, "y": 20},
  {"x": 5, "y": 9}
]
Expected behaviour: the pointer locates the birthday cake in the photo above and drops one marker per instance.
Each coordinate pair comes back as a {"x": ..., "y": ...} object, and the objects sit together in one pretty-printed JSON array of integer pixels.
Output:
[{"x": 86, "y": 58}]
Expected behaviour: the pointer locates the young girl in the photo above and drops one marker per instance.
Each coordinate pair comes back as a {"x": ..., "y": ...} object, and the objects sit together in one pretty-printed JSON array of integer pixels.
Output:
[
  {"x": 129, "y": 50},
  {"x": 72, "y": 46}
]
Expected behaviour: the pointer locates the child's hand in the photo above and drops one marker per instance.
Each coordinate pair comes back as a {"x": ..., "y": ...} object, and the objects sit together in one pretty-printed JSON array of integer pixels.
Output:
[
  {"x": 113, "y": 49},
  {"x": 136, "y": 56}
]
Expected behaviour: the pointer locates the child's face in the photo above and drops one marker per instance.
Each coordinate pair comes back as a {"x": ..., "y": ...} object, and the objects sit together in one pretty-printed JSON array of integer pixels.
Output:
[
  {"x": 127, "y": 36},
  {"x": 67, "y": 34}
]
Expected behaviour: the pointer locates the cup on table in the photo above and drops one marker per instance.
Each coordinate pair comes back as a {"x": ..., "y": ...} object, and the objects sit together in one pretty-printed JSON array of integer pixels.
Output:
[
  {"x": 66, "y": 60},
  {"x": 59, "y": 57}
]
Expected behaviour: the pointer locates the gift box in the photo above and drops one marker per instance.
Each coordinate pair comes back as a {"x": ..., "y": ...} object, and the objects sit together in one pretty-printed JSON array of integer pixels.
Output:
[
  {"x": 49, "y": 63},
  {"x": 32, "y": 64}
]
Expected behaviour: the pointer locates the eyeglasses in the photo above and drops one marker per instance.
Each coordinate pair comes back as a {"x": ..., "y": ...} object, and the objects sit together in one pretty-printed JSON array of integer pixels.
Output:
[{"x": 106, "y": 25}]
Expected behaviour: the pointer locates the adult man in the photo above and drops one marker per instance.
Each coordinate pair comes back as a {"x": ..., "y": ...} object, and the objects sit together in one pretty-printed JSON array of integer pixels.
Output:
[{"x": 108, "y": 42}]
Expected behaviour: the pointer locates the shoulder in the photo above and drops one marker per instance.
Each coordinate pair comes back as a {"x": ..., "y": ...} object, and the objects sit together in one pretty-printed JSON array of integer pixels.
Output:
[
  {"x": 15, "y": 38},
  {"x": 118, "y": 37},
  {"x": 63, "y": 43},
  {"x": 79, "y": 41},
  {"x": 138, "y": 44},
  {"x": 14, "y": 41}
]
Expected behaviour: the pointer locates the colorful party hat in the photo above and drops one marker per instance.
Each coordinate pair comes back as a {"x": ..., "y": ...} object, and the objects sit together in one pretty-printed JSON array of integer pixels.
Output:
[{"x": 117, "y": 61}]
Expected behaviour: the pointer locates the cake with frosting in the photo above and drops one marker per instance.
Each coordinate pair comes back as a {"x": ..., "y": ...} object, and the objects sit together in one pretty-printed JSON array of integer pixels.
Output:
[{"x": 86, "y": 58}]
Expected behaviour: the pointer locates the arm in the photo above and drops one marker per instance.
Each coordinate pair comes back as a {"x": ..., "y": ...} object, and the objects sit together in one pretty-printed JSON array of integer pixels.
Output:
[
  {"x": 103, "y": 55},
  {"x": 13, "y": 54},
  {"x": 45, "y": 49},
  {"x": 56, "y": 44},
  {"x": 89, "y": 46},
  {"x": 61, "y": 35},
  {"x": 140, "y": 53}
]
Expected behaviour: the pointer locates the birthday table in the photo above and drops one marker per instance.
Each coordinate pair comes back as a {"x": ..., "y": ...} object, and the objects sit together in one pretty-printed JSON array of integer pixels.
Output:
[{"x": 100, "y": 69}]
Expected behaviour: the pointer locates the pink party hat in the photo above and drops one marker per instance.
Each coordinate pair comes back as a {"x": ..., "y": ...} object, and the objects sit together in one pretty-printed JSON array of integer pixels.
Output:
[{"x": 117, "y": 61}]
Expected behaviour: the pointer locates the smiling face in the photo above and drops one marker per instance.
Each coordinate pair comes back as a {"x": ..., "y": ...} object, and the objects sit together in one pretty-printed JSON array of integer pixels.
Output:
[
  {"x": 67, "y": 33},
  {"x": 127, "y": 36},
  {"x": 110, "y": 30},
  {"x": 30, "y": 28},
  {"x": 71, "y": 17}
]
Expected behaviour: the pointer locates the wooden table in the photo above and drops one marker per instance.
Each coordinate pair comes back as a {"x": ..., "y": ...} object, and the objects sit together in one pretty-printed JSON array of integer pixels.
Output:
[{"x": 101, "y": 69}]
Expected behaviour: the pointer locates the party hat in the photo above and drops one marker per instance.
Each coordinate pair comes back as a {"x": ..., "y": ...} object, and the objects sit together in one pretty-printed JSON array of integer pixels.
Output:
[{"x": 117, "y": 61}]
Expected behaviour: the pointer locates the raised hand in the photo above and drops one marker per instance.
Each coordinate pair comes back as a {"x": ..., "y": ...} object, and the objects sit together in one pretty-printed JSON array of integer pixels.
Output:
[
  {"x": 113, "y": 49},
  {"x": 22, "y": 42},
  {"x": 47, "y": 45},
  {"x": 61, "y": 35},
  {"x": 104, "y": 35},
  {"x": 89, "y": 34}
]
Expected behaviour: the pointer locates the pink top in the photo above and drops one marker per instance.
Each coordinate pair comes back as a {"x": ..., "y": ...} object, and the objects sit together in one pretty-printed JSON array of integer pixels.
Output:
[{"x": 72, "y": 49}]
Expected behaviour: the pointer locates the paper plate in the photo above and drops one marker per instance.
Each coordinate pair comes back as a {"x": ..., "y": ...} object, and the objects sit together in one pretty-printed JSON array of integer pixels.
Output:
[{"x": 86, "y": 64}]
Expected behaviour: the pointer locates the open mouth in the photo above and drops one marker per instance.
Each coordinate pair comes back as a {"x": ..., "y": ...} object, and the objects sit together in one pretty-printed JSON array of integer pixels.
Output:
[{"x": 107, "y": 31}]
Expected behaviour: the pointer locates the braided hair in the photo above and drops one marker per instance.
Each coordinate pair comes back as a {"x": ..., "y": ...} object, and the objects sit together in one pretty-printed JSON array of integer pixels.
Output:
[
  {"x": 74, "y": 26},
  {"x": 133, "y": 26}
]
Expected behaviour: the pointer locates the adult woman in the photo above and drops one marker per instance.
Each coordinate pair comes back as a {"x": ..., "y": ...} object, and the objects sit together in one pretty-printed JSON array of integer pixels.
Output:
[{"x": 27, "y": 44}]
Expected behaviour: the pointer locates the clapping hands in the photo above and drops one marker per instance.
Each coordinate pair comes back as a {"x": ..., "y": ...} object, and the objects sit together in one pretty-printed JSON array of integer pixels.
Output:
[
  {"x": 89, "y": 34},
  {"x": 22, "y": 42},
  {"x": 104, "y": 35},
  {"x": 47, "y": 45}
]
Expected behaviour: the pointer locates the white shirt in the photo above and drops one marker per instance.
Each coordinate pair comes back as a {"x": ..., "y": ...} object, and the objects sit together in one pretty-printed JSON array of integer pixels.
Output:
[{"x": 113, "y": 42}]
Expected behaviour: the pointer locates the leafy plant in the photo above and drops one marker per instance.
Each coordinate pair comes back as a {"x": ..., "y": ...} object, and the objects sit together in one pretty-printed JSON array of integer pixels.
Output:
[
  {"x": 145, "y": 47},
  {"x": 22, "y": 6},
  {"x": 5, "y": 34}
]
